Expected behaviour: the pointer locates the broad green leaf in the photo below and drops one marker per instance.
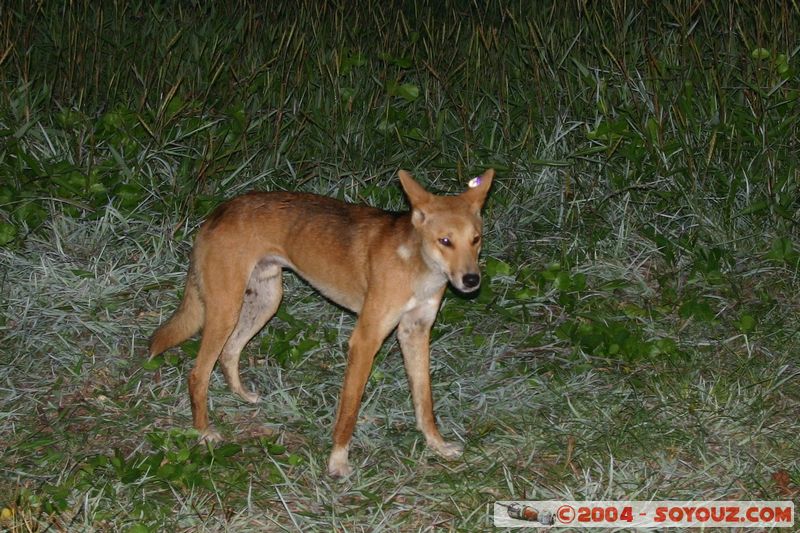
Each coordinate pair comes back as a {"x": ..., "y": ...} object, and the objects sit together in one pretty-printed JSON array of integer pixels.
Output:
[
  {"x": 746, "y": 323},
  {"x": 8, "y": 232},
  {"x": 497, "y": 267}
]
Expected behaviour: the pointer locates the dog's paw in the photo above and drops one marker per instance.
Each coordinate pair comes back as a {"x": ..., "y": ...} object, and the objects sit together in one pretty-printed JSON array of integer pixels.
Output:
[
  {"x": 210, "y": 435},
  {"x": 448, "y": 450},
  {"x": 250, "y": 397},
  {"x": 338, "y": 465},
  {"x": 340, "y": 471}
]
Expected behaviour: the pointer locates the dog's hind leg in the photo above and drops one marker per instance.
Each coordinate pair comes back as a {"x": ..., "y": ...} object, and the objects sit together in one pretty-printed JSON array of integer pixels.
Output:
[
  {"x": 259, "y": 303},
  {"x": 222, "y": 286},
  {"x": 186, "y": 321}
]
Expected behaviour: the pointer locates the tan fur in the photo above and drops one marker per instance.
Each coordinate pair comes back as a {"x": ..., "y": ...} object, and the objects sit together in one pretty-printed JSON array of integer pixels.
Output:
[{"x": 389, "y": 268}]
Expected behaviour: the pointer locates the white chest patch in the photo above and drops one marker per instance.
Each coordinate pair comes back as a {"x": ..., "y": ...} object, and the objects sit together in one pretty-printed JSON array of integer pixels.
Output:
[{"x": 404, "y": 252}]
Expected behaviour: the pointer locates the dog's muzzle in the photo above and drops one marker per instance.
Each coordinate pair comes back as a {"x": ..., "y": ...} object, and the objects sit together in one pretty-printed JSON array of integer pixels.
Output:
[{"x": 471, "y": 281}]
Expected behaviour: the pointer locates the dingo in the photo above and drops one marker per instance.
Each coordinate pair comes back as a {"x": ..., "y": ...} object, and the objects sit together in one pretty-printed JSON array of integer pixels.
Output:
[{"x": 389, "y": 268}]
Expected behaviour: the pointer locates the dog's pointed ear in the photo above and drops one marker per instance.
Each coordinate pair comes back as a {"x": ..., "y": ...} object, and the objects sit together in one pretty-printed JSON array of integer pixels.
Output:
[
  {"x": 417, "y": 196},
  {"x": 478, "y": 189}
]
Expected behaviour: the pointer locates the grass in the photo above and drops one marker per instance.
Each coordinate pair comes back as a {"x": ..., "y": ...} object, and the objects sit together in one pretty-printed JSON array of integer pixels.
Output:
[{"x": 634, "y": 336}]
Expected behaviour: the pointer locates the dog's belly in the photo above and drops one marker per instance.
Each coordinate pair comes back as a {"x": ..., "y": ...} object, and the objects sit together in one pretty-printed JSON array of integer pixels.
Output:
[
  {"x": 336, "y": 285},
  {"x": 333, "y": 292}
]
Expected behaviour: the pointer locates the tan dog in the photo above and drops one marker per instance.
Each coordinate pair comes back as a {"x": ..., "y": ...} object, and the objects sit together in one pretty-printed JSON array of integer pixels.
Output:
[{"x": 389, "y": 268}]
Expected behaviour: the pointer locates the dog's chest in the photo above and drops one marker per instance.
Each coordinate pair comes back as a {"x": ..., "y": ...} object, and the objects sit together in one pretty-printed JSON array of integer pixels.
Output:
[{"x": 426, "y": 292}]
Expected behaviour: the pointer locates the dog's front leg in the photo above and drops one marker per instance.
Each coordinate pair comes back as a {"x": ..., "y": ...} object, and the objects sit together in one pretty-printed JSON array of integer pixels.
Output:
[
  {"x": 371, "y": 329},
  {"x": 414, "y": 336}
]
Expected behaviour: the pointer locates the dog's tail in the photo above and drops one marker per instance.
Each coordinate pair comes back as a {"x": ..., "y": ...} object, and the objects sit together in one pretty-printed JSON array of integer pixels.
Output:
[{"x": 186, "y": 321}]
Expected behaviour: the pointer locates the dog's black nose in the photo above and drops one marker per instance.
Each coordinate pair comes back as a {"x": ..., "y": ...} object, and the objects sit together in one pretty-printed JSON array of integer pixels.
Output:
[{"x": 471, "y": 280}]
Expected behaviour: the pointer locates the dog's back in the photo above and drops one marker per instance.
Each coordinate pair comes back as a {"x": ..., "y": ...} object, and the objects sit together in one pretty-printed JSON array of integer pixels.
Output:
[{"x": 326, "y": 241}]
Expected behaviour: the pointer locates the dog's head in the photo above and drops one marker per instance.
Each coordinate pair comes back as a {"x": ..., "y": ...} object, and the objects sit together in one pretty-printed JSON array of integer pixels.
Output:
[{"x": 450, "y": 228}]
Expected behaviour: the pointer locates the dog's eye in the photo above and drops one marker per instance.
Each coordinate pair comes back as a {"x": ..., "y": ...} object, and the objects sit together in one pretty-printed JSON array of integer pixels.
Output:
[
  {"x": 476, "y": 240},
  {"x": 444, "y": 241}
]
